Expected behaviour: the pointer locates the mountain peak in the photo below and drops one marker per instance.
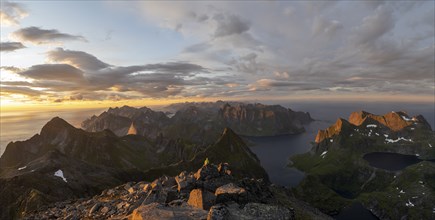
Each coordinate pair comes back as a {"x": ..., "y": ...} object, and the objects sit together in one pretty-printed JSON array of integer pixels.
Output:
[
  {"x": 55, "y": 125},
  {"x": 58, "y": 123},
  {"x": 393, "y": 120},
  {"x": 340, "y": 124}
]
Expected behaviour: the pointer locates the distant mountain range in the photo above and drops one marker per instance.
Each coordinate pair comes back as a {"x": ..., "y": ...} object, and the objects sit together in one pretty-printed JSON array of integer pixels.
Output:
[
  {"x": 381, "y": 161},
  {"x": 200, "y": 122}
]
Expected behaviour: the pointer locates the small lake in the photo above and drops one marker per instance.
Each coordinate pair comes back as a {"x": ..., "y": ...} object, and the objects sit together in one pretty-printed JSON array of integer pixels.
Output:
[
  {"x": 390, "y": 161},
  {"x": 356, "y": 211},
  {"x": 274, "y": 153}
]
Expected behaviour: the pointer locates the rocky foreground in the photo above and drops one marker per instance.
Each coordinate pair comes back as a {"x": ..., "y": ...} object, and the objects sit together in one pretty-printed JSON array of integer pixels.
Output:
[{"x": 210, "y": 193}]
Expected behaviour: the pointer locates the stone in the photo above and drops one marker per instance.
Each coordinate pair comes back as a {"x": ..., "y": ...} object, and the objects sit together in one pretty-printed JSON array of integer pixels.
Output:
[
  {"x": 156, "y": 184},
  {"x": 162, "y": 212},
  {"x": 230, "y": 192},
  {"x": 260, "y": 211},
  {"x": 185, "y": 182},
  {"x": 168, "y": 181},
  {"x": 207, "y": 172},
  {"x": 223, "y": 168},
  {"x": 105, "y": 210},
  {"x": 95, "y": 208},
  {"x": 172, "y": 194},
  {"x": 218, "y": 212},
  {"x": 146, "y": 187},
  {"x": 212, "y": 184},
  {"x": 201, "y": 199},
  {"x": 131, "y": 190}
]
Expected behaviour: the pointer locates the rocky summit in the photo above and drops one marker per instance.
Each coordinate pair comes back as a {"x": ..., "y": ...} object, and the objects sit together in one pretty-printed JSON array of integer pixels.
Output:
[
  {"x": 63, "y": 163},
  {"x": 385, "y": 162},
  {"x": 209, "y": 193}
]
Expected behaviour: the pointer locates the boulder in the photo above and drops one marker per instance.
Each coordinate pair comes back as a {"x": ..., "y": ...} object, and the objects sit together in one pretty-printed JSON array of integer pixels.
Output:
[
  {"x": 207, "y": 172},
  {"x": 230, "y": 192},
  {"x": 218, "y": 212},
  {"x": 202, "y": 199},
  {"x": 185, "y": 182},
  {"x": 224, "y": 169},
  {"x": 162, "y": 212},
  {"x": 260, "y": 211}
]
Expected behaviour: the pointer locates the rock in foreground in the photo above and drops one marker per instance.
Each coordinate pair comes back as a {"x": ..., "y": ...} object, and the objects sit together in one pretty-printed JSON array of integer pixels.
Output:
[{"x": 213, "y": 196}]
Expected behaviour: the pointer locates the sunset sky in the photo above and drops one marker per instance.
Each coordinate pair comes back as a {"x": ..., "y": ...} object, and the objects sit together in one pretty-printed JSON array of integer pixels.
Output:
[{"x": 80, "y": 52}]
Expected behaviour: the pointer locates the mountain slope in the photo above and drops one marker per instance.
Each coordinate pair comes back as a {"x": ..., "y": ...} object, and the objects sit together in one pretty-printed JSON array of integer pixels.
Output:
[
  {"x": 230, "y": 147},
  {"x": 337, "y": 173},
  {"x": 63, "y": 162}
]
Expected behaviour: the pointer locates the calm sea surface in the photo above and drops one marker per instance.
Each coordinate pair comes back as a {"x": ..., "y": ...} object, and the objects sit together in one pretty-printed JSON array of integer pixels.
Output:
[{"x": 22, "y": 125}]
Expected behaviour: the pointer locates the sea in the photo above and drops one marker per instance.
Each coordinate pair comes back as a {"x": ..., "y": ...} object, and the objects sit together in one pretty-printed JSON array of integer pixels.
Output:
[{"x": 273, "y": 152}]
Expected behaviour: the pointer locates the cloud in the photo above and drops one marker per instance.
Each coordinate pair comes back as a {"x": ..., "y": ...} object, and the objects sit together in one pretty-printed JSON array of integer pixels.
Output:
[
  {"x": 11, "y": 13},
  {"x": 78, "y": 59},
  {"x": 374, "y": 26},
  {"x": 61, "y": 72},
  {"x": 322, "y": 26},
  {"x": 229, "y": 25},
  {"x": 20, "y": 90},
  {"x": 250, "y": 48},
  {"x": 11, "y": 46},
  {"x": 38, "y": 35},
  {"x": 10, "y": 68}
]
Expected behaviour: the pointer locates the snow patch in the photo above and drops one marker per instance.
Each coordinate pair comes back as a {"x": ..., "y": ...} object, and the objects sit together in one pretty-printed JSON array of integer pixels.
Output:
[
  {"x": 409, "y": 204},
  {"x": 387, "y": 140},
  {"x": 59, "y": 173},
  {"x": 372, "y": 126},
  {"x": 406, "y": 118},
  {"x": 430, "y": 145},
  {"x": 401, "y": 191},
  {"x": 417, "y": 155},
  {"x": 22, "y": 168},
  {"x": 386, "y": 135},
  {"x": 412, "y": 129},
  {"x": 323, "y": 155},
  {"x": 331, "y": 140}
]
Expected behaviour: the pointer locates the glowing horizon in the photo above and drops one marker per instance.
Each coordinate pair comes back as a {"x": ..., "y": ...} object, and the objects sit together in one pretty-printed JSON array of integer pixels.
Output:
[{"x": 155, "y": 53}]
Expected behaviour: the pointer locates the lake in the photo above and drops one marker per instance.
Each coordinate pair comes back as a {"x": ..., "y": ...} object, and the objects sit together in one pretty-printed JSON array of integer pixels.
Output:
[{"x": 390, "y": 161}]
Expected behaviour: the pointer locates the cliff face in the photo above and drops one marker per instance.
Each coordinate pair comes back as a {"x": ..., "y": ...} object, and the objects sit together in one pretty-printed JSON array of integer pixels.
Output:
[
  {"x": 395, "y": 121},
  {"x": 197, "y": 122},
  {"x": 390, "y": 123},
  {"x": 263, "y": 120},
  {"x": 335, "y": 129},
  {"x": 147, "y": 122}
]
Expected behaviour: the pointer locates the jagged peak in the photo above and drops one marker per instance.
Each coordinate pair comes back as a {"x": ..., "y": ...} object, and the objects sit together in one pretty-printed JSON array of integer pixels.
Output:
[
  {"x": 332, "y": 130},
  {"x": 394, "y": 120}
]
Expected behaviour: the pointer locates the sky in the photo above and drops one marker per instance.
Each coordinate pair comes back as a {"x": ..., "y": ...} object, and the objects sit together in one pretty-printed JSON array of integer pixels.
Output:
[{"x": 88, "y": 52}]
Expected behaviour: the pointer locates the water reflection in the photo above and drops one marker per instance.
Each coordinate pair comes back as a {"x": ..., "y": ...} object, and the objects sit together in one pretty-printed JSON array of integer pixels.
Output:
[{"x": 274, "y": 153}]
